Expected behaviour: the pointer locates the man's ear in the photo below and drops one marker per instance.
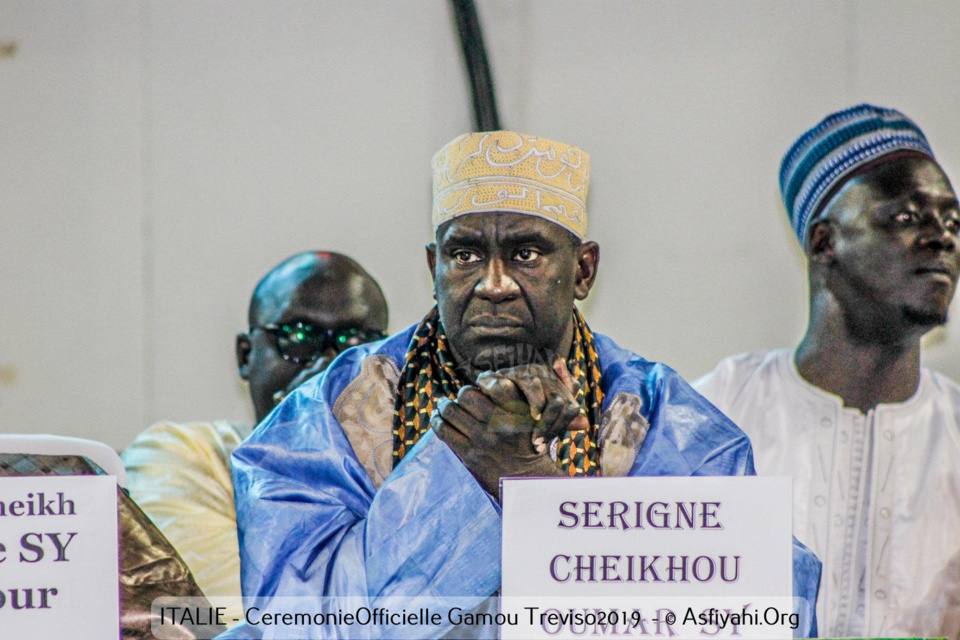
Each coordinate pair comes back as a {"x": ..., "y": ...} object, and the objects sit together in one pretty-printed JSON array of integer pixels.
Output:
[
  {"x": 432, "y": 259},
  {"x": 243, "y": 347},
  {"x": 588, "y": 259},
  {"x": 820, "y": 245}
]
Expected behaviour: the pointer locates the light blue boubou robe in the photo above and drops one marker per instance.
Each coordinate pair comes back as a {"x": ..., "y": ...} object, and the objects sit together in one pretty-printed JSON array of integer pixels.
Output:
[{"x": 312, "y": 524}]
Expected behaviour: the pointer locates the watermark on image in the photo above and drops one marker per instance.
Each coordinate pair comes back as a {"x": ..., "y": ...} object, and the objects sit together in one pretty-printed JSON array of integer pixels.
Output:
[{"x": 521, "y": 618}]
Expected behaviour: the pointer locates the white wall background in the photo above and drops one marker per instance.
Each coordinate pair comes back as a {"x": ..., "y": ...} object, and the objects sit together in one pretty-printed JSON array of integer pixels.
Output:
[{"x": 157, "y": 157}]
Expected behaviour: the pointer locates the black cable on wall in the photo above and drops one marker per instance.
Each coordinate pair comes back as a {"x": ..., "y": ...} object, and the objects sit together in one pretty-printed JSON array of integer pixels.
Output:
[{"x": 485, "y": 115}]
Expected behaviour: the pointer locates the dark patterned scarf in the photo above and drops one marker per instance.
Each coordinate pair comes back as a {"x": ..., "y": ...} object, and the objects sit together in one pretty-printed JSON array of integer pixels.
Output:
[{"x": 428, "y": 375}]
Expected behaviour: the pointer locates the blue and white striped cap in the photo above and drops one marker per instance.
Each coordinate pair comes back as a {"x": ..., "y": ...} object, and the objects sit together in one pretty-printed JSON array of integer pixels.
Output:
[{"x": 823, "y": 157}]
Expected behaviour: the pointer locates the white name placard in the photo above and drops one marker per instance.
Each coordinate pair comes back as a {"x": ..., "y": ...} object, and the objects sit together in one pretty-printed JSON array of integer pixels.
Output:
[
  {"x": 59, "y": 557},
  {"x": 673, "y": 548}
]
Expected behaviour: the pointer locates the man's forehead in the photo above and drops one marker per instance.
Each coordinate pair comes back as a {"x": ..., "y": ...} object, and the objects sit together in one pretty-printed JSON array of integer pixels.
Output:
[
  {"x": 907, "y": 169},
  {"x": 909, "y": 178},
  {"x": 317, "y": 299},
  {"x": 501, "y": 227}
]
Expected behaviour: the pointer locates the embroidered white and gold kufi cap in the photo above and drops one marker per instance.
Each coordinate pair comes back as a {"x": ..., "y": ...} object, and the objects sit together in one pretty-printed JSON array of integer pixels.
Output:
[{"x": 513, "y": 172}]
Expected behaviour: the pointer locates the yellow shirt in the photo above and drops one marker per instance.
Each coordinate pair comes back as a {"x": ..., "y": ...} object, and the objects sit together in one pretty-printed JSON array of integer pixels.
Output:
[{"x": 179, "y": 474}]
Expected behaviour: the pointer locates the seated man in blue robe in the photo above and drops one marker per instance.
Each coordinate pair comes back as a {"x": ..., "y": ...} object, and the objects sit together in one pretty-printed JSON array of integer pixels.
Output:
[{"x": 380, "y": 476}]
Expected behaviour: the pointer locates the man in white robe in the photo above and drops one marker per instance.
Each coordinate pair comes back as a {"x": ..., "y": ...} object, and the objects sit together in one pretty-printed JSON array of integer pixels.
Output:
[{"x": 871, "y": 439}]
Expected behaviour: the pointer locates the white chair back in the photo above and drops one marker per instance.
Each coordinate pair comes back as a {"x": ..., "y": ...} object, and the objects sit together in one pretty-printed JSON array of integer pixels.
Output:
[{"x": 103, "y": 455}]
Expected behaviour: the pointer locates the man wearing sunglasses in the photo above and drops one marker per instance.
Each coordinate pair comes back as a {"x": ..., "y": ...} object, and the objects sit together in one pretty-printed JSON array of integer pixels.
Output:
[
  {"x": 380, "y": 477},
  {"x": 303, "y": 313}
]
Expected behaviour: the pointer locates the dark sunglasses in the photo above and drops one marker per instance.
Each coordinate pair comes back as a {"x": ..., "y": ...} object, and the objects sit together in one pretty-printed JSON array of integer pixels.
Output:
[{"x": 303, "y": 343}]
